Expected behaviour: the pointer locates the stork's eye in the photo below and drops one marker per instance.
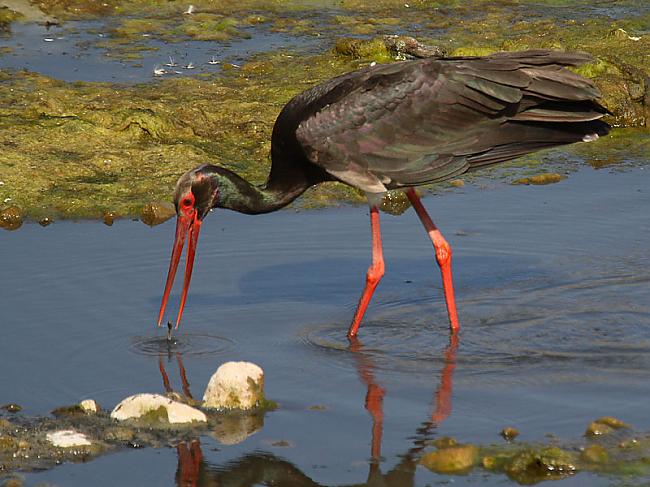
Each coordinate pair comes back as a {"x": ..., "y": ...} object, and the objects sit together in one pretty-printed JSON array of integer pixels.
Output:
[{"x": 187, "y": 202}]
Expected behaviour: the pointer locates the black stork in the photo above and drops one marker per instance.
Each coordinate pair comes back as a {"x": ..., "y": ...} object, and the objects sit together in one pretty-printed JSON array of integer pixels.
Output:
[{"x": 398, "y": 126}]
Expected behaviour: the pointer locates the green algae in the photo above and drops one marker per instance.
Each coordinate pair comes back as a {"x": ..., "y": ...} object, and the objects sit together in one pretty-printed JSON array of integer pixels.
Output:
[
  {"x": 456, "y": 459},
  {"x": 7, "y": 16},
  {"x": 75, "y": 150}
]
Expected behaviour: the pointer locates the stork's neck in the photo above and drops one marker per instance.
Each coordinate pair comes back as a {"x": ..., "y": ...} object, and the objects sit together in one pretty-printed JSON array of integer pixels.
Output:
[{"x": 235, "y": 193}]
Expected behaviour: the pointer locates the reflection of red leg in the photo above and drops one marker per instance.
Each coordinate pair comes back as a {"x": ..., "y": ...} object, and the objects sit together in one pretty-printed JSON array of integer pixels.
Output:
[
  {"x": 165, "y": 377},
  {"x": 374, "y": 397},
  {"x": 374, "y": 405},
  {"x": 186, "y": 384},
  {"x": 189, "y": 463},
  {"x": 374, "y": 274},
  {"x": 443, "y": 256},
  {"x": 444, "y": 392}
]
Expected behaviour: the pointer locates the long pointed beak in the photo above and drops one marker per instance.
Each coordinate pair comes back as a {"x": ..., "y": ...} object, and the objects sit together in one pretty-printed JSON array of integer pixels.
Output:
[{"x": 184, "y": 225}]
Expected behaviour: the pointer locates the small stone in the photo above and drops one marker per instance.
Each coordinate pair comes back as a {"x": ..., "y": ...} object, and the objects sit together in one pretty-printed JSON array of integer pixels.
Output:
[
  {"x": 68, "y": 439},
  {"x": 604, "y": 425},
  {"x": 457, "y": 183},
  {"x": 541, "y": 179},
  {"x": 12, "y": 407},
  {"x": 90, "y": 406},
  {"x": 509, "y": 433},
  {"x": 154, "y": 408},
  {"x": 235, "y": 385},
  {"x": 11, "y": 218},
  {"x": 156, "y": 213},
  {"x": 453, "y": 460},
  {"x": 594, "y": 454},
  {"x": 108, "y": 217},
  {"x": 281, "y": 443},
  {"x": 45, "y": 221},
  {"x": 395, "y": 203},
  {"x": 598, "y": 429},
  {"x": 631, "y": 443}
]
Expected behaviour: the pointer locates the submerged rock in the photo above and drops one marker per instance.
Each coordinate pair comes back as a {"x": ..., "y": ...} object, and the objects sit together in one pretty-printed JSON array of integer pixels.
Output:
[
  {"x": 68, "y": 439},
  {"x": 235, "y": 385},
  {"x": 594, "y": 454},
  {"x": 534, "y": 465},
  {"x": 509, "y": 433},
  {"x": 154, "y": 408},
  {"x": 395, "y": 203},
  {"x": 108, "y": 217},
  {"x": 540, "y": 179},
  {"x": 452, "y": 460},
  {"x": 457, "y": 183},
  {"x": 12, "y": 407},
  {"x": 11, "y": 218},
  {"x": 604, "y": 425}
]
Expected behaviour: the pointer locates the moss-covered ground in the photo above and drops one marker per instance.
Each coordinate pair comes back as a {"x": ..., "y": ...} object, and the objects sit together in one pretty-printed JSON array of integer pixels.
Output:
[{"x": 76, "y": 150}]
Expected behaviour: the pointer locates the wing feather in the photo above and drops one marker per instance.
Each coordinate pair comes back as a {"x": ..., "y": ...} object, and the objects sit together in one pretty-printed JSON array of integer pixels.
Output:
[{"x": 420, "y": 121}]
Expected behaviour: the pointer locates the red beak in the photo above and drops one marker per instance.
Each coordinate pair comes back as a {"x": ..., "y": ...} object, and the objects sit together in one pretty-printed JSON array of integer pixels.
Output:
[{"x": 185, "y": 224}]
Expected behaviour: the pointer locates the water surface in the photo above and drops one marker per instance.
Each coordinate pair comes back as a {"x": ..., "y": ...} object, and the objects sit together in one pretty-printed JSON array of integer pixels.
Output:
[{"x": 552, "y": 287}]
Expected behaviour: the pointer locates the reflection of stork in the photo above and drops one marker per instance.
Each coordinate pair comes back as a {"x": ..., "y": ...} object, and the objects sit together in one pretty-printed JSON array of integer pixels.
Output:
[
  {"x": 374, "y": 405},
  {"x": 265, "y": 468}
]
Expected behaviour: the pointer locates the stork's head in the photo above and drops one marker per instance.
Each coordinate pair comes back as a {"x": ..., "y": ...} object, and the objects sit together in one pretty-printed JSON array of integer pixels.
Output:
[{"x": 195, "y": 195}]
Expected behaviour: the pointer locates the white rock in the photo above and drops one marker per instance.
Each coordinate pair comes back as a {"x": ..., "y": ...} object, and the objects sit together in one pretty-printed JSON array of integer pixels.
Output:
[
  {"x": 89, "y": 405},
  {"x": 235, "y": 385},
  {"x": 135, "y": 406},
  {"x": 68, "y": 438}
]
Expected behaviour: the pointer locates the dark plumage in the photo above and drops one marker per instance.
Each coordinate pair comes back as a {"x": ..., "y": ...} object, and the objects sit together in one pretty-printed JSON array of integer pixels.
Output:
[{"x": 402, "y": 125}]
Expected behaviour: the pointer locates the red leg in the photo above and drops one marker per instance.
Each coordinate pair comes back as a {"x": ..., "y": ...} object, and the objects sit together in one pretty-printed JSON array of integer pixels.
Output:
[
  {"x": 443, "y": 256},
  {"x": 374, "y": 274}
]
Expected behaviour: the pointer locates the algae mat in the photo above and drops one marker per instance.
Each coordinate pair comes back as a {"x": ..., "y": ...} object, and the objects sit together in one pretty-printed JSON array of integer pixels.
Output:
[{"x": 85, "y": 150}]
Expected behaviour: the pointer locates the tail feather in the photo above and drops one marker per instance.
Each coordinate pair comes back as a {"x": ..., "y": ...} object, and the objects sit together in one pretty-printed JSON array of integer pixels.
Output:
[{"x": 521, "y": 138}]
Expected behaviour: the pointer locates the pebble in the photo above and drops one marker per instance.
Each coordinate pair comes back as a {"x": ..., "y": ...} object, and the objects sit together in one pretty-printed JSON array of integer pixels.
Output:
[
  {"x": 235, "y": 385},
  {"x": 12, "y": 407},
  {"x": 509, "y": 433},
  {"x": 89, "y": 406}
]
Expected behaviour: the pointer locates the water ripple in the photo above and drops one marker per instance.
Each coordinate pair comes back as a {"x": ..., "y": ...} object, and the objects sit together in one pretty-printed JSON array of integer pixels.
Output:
[{"x": 185, "y": 344}]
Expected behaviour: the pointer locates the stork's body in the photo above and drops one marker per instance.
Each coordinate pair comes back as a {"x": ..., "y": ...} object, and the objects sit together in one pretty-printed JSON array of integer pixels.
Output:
[{"x": 398, "y": 126}]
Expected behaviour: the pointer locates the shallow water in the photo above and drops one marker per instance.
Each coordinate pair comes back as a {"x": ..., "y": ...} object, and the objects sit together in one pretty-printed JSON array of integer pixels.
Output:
[
  {"x": 552, "y": 285},
  {"x": 72, "y": 52}
]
